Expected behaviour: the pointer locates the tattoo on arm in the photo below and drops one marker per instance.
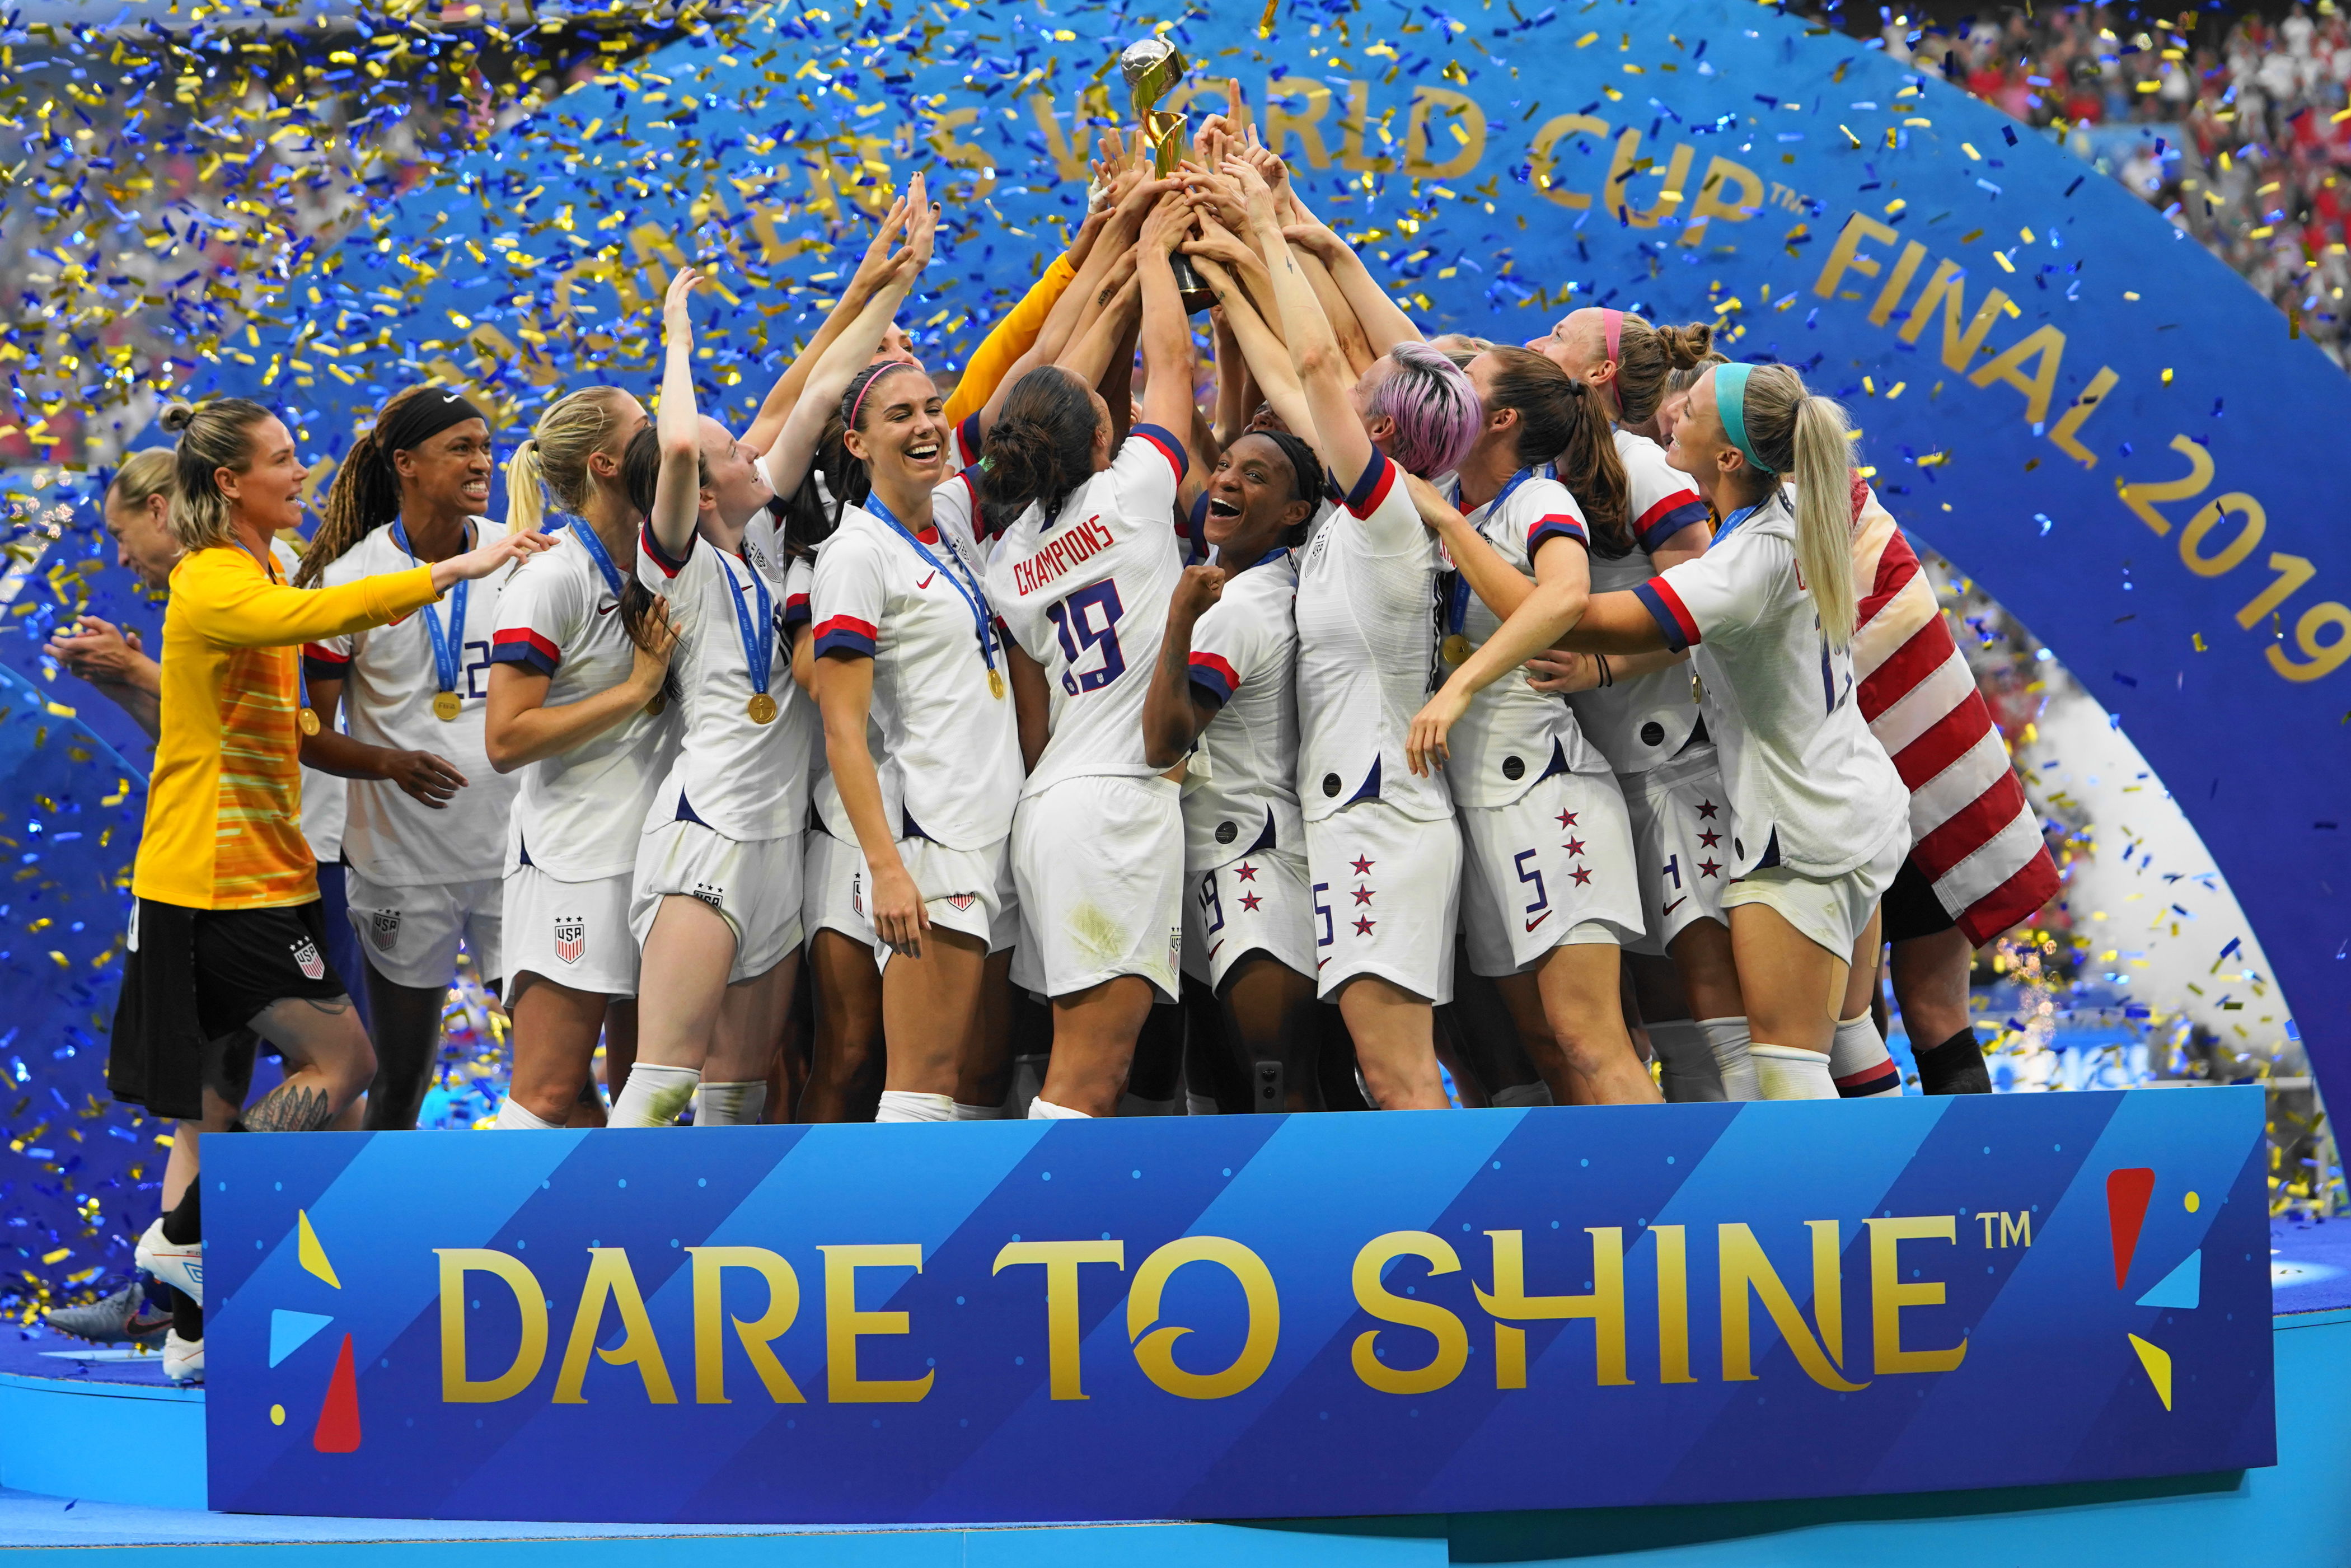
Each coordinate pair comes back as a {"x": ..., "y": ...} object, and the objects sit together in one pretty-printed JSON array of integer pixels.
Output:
[{"x": 290, "y": 1108}]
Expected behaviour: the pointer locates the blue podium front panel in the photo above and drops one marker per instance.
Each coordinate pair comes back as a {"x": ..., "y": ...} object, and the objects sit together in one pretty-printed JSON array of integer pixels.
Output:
[{"x": 1238, "y": 1317}]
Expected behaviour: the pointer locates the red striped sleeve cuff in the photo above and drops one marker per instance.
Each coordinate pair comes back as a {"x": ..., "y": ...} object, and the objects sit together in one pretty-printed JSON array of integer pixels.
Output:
[
  {"x": 521, "y": 646},
  {"x": 845, "y": 634},
  {"x": 1668, "y": 517},
  {"x": 1215, "y": 677},
  {"x": 1372, "y": 486},
  {"x": 1557, "y": 526},
  {"x": 671, "y": 565},
  {"x": 1673, "y": 617},
  {"x": 795, "y": 609},
  {"x": 323, "y": 664},
  {"x": 1170, "y": 445}
]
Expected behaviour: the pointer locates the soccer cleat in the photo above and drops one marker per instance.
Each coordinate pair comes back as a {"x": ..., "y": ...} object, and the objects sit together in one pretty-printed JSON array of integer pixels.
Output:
[
  {"x": 183, "y": 1359},
  {"x": 123, "y": 1318},
  {"x": 179, "y": 1265}
]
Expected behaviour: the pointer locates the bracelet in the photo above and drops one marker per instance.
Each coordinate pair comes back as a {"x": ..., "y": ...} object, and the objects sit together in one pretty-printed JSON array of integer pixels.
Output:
[{"x": 1607, "y": 676}]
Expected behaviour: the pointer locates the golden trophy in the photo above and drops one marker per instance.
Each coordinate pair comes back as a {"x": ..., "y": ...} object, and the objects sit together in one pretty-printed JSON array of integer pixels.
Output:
[{"x": 1154, "y": 68}]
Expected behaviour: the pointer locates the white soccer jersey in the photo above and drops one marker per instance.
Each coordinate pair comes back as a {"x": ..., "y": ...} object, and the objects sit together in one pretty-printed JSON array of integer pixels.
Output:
[
  {"x": 1085, "y": 593},
  {"x": 1244, "y": 797},
  {"x": 1366, "y": 644},
  {"x": 578, "y": 812},
  {"x": 1813, "y": 789},
  {"x": 953, "y": 745},
  {"x": 731, "y": 773},
  {"x": 390, "y": 680},
  {"x": 1512, "y": 734},
  {"x": 1640, "y": 722}
]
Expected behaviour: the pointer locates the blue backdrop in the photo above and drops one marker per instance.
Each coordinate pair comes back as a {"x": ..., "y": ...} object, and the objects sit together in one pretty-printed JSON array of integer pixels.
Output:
[
  {"x": 2059, "y": 391},
  {"x": 1241, "y": 1316}
]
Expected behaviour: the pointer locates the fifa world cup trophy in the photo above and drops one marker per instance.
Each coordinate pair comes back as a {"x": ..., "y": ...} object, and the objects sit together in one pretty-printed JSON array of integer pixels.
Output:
[{"x": 1154, "y": 68}]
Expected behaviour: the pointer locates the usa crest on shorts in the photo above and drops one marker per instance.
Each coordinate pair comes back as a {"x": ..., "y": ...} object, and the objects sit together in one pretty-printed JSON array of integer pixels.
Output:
[
  {"x": 385, "y": 930},
  {"x": 307, "y": 958},
  {"x": 571, "y": 937}
]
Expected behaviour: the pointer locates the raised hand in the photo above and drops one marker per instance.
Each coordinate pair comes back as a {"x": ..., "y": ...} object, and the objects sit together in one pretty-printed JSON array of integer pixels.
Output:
[
  {"x": 674, "y": 303},
  {"x": 1256, "y": 194},
  {"x": 1164, "y": 226},
  {"x": 1195, "y": 590},
  {"x": 1220, "y": 244}
]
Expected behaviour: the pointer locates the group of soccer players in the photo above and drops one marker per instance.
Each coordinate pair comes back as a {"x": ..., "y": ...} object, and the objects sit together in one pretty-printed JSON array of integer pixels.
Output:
[{"x": 1421, "y": 704}]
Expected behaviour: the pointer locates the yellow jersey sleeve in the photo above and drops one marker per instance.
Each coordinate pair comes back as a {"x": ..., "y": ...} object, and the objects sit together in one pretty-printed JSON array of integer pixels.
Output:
[{"x": 1012, "y": 337}]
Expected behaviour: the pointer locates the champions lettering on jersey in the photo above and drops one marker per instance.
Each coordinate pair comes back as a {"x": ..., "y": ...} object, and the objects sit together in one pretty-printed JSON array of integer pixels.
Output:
[{"x": 1079, "y": 544}]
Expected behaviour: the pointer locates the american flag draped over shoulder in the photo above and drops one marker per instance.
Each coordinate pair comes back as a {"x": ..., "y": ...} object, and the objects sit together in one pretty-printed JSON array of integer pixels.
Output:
[{"x": 1973, "y": 835}]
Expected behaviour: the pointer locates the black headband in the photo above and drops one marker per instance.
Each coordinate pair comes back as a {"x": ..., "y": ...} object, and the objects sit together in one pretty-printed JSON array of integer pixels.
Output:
[{"x": 417, "y": 419}]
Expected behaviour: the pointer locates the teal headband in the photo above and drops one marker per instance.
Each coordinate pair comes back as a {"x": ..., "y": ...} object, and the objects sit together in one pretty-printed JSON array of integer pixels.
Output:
[{"x": 1730, "y": 398}]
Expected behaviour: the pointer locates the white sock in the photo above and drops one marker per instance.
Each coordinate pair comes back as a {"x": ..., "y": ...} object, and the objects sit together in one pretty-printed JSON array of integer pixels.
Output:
[
  {"x": 513, "y": 1116},
  {"x": 1535, "y": 1094},
  {"x": 1785, "y": 1072},
  {"x": 1728, "y": 1041},
  {"x": 1200, "y": 1105},
  {"x": 1027, "y": 1078},
  {"x": 653, "y": 1095},
  {"x": 905, "y": 1105},
  {"x": 1859, "y": 1063},
  {"x": 1136, "y": 1106},
  {"x": 730, "y": 1104},
  {"x": 1686, "y": 1067},
  {"x": 1043, "y": 1110},
  {"x": 964, "y": 1112}
]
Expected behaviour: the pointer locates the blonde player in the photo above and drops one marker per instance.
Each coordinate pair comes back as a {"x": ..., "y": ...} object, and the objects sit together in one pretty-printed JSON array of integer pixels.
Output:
[
  {"x": 1384, "y": 857},
  {"x": 575, "y": 710},
  {"x": 1082, "y": 578},
  {"x": 1550, "y": 893},
  {"x": 1768, "y": 611},
  {"x": 427, "y": 823},
  {"x": 715, "y": 903},
  {"x": 1226, "y": 684}
]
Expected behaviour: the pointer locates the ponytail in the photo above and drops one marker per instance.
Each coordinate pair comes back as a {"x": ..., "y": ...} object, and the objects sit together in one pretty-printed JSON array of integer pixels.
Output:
[
  {"x": 365, "y": 496},
  {"x": 216, "y": 436},
  {"x": 1560, "y": 423},
  {"x": 526, "y": 505},
  {"x": 1824, "y": 514},
  {"x": 1041, "y": 446},
  {"x": 1798, "y": 436},
  {"x": 1647, "y": 356}
]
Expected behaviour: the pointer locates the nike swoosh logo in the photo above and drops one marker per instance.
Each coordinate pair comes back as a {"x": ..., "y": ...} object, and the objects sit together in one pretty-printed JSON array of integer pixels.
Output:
[
  {"x": 1539, "y": 919},
  {"x": 606, "y": 608},
  {"x": 1212, "y": 952},
  {"x": 1676, "y": 904},
  {"x": 926, "y": 582}
]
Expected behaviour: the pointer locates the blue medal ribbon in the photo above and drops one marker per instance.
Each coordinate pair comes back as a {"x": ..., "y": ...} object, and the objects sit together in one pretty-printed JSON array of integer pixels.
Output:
[
  {"x": 759, "y": 641},
  {"x": 963, "y": 584},
  {"x": 599, "y": 555},
  {"x": 445, "y": 649},
  {"x": 1456, "y": 609}
]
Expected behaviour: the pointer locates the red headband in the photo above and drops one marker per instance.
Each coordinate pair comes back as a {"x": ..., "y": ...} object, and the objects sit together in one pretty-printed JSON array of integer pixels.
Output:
[
  {"x": 886, "y": 367},
  {"x": 1614, "y": 322}
]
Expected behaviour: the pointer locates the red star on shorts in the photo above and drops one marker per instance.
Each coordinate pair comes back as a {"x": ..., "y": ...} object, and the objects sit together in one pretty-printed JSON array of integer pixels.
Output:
[
  {"x": 1250, "y": 901},
  {"x": 1709, "y": 838},
  {"x": 1363, "y": 867},
  {"x": 1583, "y": 877},
  {"x": 1567, "y": 819},
  {"x": 1710, "y": 868},
  {"x": 1364, "y": 926},
  {"x": 1575, "y": 846},
  {"x": 1362, "y": 896},
  {"x": 1705, "y": 808},
  {"x": 1245, "y": 872}
]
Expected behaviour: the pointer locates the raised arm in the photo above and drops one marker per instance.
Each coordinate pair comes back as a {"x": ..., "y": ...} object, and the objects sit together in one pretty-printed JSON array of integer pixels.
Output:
[
  {"x": 1383, "y": 323},
  {"x": 851, "y": 351},
  {"x": 1323, "y": 376},
  {"x": 678, "y": 493},
  {"x": 1267, "y": 360},
  {"x": 874, "y": 270},
  {"x": 1167, "y": 399},
  {"x": 1089, "y": 358}
]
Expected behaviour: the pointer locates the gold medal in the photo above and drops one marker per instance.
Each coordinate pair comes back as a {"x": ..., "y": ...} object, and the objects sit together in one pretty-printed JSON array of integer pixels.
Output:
[
  {"x": 761, "y": 707},
  {"x": 1697, "y": 688},
  {"x": 308, "y": 720},
  {"x": 445, "y": 706},
  {"x": 996, "y": 686},
  {"x": 659, "y": 706},
  {"x": 1453, "y": 650}
]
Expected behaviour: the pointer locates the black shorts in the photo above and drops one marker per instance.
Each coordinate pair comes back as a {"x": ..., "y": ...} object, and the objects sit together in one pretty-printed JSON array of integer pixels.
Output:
[
  {"x": 1910, "y": 907},
  {"x": 194, "y": 976}
]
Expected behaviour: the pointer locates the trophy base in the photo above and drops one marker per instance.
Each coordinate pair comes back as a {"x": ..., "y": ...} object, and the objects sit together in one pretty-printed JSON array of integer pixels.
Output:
[{"x": 1190, "y": 285}]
